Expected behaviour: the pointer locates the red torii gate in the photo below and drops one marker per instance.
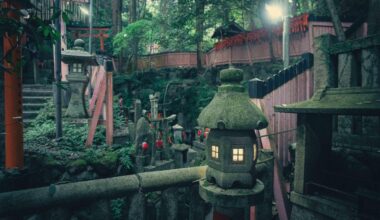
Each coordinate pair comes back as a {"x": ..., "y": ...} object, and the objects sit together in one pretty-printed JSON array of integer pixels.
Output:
[
  {"x": 102, "y": 35},
  {"x": 14, "y": 151}
]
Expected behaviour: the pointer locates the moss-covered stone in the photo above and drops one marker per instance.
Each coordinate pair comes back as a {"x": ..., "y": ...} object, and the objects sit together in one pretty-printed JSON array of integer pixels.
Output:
[
  {"x": 51, "y": 161},
  {"x": 231, "y": 108},
  {"x": 231, "y": 75},
  {"x": 77, "y": 166}
]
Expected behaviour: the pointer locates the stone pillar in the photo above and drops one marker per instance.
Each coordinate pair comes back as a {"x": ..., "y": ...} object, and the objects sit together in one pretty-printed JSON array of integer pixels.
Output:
[
  {"x": 197, "y": 209},
  {"x": 371, "y": 78},
  {"x": 138, "y": 110},
  {"x": 264, "y": 168},
  {"x": 76, "y": 107},
  {"x": 137, "y": 208},
  {"x": 323, "y": 67},
  {"x": 169, "y": 204},
  {"x": 180, "y": 155},
  {"x": 348, "y": 75},
  {"x": 58, "y": 213},
  {"x": 314, "y": 137}
]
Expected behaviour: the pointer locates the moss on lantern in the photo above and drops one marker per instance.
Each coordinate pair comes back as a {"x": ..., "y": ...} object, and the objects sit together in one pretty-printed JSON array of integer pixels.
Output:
[{"x": 232, "y": 106}]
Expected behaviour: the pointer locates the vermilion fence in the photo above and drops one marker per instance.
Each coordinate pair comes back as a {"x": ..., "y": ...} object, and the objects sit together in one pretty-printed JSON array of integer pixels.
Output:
[
  {"x": 168, "y": 60},
  {"x": 247, "y": 53}
]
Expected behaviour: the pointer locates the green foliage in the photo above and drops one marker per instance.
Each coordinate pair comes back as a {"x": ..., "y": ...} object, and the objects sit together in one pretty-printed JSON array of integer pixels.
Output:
[
  {"x": 42, "y": 129},
  {"x": 141, "y": 30},
  {"x": 117, "y": 207},
  {"x": 125, "y": 156}
]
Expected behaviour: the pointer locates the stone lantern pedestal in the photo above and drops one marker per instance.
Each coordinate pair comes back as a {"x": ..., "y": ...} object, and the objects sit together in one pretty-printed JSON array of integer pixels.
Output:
[
  {"x": 76, "y": 108},
  {"x": 234, "y": 202}
]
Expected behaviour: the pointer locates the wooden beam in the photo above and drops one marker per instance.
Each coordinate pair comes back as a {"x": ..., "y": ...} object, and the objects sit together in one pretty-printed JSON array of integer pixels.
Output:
[
  {"x": 100, "y": 74},
  {"x": 96, "y": 115}
]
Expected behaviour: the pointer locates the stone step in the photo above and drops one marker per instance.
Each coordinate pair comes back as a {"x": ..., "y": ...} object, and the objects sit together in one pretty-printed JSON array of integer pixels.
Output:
[
  {"x": 27, "y": 122},
  {"x": 32, "y": 106},
  {"x": 35, "y": 99},
  {"x": 37, "y": 86},
  {"x": 39, "y": 92},
  {"x": 29, "y": 114}
]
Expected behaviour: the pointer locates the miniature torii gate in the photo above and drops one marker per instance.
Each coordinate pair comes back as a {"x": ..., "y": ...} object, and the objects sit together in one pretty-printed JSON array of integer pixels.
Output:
[{"x": 101, "y": 35}]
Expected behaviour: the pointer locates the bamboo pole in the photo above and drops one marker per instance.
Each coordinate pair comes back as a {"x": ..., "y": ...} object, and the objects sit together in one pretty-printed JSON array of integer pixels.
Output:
[{"x": 69, "y": 194}]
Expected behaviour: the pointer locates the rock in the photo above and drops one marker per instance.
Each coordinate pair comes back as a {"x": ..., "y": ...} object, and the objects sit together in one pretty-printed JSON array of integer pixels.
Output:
[
  {"x": 77, "y": 166},
  {"x": 85, "y": 175},
  {"x": 99, "y": 210},
  {"x": 106, "y": 165}
]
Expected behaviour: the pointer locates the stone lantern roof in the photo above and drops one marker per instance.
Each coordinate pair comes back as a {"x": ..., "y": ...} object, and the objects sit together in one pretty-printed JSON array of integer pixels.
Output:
[
  {"x": 78, "y": 54},
  {"x": 231, "y": 107}
]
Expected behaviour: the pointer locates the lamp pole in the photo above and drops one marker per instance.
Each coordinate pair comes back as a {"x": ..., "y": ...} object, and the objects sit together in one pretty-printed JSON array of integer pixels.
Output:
[
  {"x": 90, "y": 23},
  {"x": 285, "y": 35},
  {"x": 57, "y": 73}
]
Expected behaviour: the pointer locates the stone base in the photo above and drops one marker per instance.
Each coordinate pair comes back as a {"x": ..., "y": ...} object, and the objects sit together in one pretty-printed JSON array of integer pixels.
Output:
[
  {"x": 232, "y": 198},
  {"x": 229, "y": 180}
]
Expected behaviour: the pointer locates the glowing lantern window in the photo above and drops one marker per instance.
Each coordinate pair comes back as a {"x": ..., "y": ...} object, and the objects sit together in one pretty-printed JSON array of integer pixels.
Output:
[
  {"x": 215, "y": 152},
  {"x": 255, "y": 150},
  {"x": 238, "y": 154},
  {"x": 77, "y": 68}
]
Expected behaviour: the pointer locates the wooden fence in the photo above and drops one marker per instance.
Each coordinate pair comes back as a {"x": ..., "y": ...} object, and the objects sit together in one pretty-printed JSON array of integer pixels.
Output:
[
  {"x": 250, "y": 52},
  {"x": 168, "y": 60}
]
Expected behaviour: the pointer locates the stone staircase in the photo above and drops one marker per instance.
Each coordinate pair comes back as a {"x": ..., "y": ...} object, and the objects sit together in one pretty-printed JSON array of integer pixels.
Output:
[{"x": 34, "y": 97}]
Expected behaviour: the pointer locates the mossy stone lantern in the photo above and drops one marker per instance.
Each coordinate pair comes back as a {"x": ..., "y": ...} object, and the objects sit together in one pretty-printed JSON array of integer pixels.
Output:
[
  {"x": 78, "y": 59},
  {"x": 231, "y": 145}
]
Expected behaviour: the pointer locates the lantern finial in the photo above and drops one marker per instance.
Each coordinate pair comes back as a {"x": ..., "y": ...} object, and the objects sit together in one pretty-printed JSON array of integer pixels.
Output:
[{"x": 79, "y": 44}]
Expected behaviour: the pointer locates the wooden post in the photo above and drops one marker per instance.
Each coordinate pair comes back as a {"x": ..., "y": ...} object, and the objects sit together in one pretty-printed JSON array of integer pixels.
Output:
[
  {"x": 14, "y": 152},
  {"x": 109, "y": 105},
  {"x": 95, "y": 117}
]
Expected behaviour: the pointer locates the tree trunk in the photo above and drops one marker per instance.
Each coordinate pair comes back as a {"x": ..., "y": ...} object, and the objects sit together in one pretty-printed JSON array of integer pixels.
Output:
[
  {"x": 336, "y": 21},
  {"x": 199, "y": 11},
  {"x": 133, "y": 18},
  {"x": 374, "y": 17},
  {"x": 116, "y": 16},
  {"x": 225, "y": 11}
]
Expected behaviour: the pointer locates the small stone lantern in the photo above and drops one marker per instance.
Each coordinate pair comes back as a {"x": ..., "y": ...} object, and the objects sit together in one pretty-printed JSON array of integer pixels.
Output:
[
  {"x": 231, "y": 146},
  {"x": 78, "y": 59}
]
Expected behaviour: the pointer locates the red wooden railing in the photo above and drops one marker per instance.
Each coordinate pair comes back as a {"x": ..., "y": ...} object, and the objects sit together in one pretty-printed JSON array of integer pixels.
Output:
[
  {"x": 167, "y": 60},
  {"x": 247, "y": 53},
  {"x": 101, "y": 81},
  {"x": 281, "y": 130}
]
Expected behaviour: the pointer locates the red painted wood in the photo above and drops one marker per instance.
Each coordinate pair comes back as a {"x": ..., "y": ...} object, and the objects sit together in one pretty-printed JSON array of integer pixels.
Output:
[
  {"x": 98, "y": 77},
  {"x": 95, "y": 117},
  {"x": 298, "y": 89},
  {"x": 220, "y": 216},
  {"x": 14, "y": 151}
]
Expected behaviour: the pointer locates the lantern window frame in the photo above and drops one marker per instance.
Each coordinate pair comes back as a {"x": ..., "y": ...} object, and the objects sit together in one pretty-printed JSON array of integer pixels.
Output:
[
  {"x": 214, "y": 152},
  {"x": 240, "y": 154},
  {"x": 77, "y": 67}
]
